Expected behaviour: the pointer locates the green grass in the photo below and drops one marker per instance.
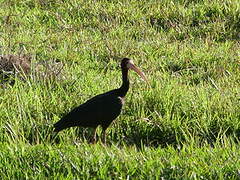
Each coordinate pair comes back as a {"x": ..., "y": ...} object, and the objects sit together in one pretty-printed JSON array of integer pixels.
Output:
[
  {"x": 185, "y": 125},
  {"x": 94, "y": 161}
]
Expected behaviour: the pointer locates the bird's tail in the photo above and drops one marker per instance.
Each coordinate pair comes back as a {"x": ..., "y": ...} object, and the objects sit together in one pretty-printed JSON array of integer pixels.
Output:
[
  {"x": 58, "y": 126},
  {"x": 62, "y": 124}
]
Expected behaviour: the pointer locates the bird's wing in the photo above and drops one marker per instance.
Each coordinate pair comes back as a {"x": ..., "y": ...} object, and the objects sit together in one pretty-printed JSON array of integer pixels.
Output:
[{"x": 101, "y": 108}]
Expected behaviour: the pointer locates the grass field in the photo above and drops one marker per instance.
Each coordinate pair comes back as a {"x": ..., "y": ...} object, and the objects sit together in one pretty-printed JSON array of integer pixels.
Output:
[{"x": 185, "y": 125}]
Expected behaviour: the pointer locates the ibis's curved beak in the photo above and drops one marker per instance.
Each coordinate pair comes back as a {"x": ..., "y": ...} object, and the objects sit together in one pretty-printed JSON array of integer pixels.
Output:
[{"x": 131, "y": 65}]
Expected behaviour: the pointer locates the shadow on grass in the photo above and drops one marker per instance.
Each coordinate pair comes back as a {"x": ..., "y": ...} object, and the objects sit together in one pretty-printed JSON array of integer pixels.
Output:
[{"x": 134, "y": 135}]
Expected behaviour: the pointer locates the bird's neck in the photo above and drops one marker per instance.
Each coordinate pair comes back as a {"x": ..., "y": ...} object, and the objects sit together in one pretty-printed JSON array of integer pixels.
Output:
[{"x": 125, "y": 83}]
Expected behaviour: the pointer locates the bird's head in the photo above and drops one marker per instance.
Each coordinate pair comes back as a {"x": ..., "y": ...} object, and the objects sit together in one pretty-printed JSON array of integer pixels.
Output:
[{"x": 127, "y": 63}]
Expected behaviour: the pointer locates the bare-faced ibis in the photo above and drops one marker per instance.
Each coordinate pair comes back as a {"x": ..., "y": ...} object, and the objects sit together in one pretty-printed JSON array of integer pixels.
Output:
[{"x": 101, "y": 109}]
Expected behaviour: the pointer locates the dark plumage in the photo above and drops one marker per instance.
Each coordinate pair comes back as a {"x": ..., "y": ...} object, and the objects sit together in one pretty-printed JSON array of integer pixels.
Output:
[{"x": 101, "y": 109}]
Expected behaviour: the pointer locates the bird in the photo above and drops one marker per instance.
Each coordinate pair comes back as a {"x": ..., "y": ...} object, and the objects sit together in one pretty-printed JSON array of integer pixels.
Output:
[{"x": 101, "y": 109}]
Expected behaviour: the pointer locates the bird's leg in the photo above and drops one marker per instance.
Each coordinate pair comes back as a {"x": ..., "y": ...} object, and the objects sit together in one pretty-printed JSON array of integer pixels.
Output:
[{"x": 94, "y": 138}]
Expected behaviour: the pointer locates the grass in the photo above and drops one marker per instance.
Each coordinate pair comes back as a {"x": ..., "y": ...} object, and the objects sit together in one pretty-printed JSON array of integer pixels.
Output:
[
  {"x": 88, "y": 162},
  {"x": 184, "y": 126}
]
